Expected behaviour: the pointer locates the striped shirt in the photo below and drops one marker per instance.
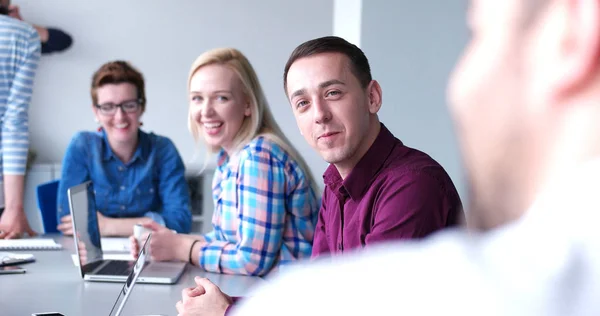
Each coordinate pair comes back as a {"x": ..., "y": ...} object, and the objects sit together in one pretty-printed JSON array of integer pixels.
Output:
[
  {"x": 19, "y": 57},
  {"x": 265, "y": 211}
]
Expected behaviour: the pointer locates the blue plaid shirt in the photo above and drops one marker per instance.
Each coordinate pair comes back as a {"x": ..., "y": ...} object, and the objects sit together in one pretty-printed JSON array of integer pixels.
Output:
[
  {"x": 265, "y": 212},
  {"x": 152, "y": 184}
]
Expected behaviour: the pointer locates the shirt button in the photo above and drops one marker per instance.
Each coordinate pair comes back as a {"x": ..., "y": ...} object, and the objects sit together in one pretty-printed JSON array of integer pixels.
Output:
[
  {"x": 121, "y": 168},
  {"x": 123, "y": 207},
  {"x": 122, "y": 188}
]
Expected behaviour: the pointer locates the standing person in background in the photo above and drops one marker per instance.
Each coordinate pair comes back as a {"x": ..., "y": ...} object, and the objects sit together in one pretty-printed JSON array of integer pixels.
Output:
[
  {"x": 17, "y": 71},
  {"x": 53, "y": 39}
]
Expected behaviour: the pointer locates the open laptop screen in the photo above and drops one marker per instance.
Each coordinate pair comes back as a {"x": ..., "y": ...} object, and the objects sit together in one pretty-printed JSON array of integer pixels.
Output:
[
  {"x": 131, "y": 279},
  {"x": 83, "y": 213}
]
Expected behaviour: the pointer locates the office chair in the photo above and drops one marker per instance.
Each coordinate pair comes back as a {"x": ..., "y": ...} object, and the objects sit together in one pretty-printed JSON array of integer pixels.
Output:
[{"x": 46, "y": 197}]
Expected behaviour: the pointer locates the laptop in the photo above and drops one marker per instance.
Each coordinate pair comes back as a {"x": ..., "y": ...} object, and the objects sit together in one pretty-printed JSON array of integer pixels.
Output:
[
  {"x": 92, "y": 265},
  {"x": 131, "y": 280}
]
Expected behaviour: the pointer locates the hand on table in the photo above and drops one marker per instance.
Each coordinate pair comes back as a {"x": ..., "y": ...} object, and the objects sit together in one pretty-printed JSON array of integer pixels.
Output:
[
  {"x": 66, "y": 224},
  {"x": 13, "y": 224},
  {"x": 162, "y": 244},
  {"x": 205, "y": 299}
]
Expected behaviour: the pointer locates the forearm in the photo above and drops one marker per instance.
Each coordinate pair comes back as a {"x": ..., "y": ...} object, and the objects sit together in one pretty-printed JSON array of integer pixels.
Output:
[
  {"x": 120, "y": 226},
  {"x": 232, "y": 258},
  {"x": 187, "y": 247},
  {"x": 13, "y": 192},
  {"x": 42, "y": 32}
]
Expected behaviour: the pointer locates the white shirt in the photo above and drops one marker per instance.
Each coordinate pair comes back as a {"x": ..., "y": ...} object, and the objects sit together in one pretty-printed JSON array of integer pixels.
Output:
[{"x": 546, "y": 263}]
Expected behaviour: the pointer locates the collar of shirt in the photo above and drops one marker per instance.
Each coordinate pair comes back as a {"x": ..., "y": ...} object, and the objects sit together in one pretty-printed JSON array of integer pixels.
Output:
[
  {"x": 365, "y": 170},
  {"x": 222, "y": 158},
  {"x": 142, "y": 151}
]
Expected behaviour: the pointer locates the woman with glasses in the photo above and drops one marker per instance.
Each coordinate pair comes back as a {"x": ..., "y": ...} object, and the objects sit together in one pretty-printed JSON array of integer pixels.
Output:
[
  {"x": 265, "y": 197},
  {"x": 138, "y": 177}
]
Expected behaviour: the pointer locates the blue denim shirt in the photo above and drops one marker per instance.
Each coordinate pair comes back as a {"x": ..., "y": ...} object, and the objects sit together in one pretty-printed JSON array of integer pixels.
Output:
[{"x": 152, "y": 184}]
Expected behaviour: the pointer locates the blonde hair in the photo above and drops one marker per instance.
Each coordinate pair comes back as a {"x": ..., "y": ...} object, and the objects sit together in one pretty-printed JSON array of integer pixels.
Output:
[{"x": 261, "y": 121}]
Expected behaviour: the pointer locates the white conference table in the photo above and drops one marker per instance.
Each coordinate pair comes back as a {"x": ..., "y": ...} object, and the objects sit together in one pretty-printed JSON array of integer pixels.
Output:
[{"x": 53, "y": 284}]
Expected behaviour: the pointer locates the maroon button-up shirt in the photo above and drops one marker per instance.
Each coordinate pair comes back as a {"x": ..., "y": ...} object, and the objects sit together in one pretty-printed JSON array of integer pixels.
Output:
[{"x": 393, "y": 192}]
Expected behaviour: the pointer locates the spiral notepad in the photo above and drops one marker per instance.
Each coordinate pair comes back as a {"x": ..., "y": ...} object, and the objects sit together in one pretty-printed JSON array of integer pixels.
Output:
[{"x": 29, "y": 244}]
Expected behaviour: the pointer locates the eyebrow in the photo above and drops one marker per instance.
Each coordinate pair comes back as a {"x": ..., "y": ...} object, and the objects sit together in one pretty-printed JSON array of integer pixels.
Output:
[
  {"x": 330, "y": 83},
  {"x": 321, "y": 86},
  {"x": 297, "y": 93},
  {"x": 213, "y": 92}
]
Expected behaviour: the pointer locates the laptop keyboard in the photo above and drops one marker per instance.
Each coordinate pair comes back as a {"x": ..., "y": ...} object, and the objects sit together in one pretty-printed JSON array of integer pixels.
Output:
[{"x": 116, "y": 267}]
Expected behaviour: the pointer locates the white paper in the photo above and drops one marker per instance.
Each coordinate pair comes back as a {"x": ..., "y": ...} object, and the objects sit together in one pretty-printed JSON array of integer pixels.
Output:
[{"x": 117, "y": 244}]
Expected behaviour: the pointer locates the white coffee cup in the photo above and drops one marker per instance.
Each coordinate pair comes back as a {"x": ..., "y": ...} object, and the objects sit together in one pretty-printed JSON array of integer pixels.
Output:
[{"x": 140, "y": 233}]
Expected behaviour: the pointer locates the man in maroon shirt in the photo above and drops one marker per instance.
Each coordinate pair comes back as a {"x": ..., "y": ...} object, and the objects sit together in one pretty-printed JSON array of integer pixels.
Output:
[{"x": 376, "y": 188}]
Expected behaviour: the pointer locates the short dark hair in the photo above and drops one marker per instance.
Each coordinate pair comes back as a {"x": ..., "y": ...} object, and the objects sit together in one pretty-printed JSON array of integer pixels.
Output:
[
  {"x": 359, "y": 64},
  {"x": 116, "y": 72}
]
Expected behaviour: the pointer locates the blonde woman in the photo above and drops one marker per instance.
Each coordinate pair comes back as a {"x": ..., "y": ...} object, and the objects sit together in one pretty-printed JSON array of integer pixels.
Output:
[{"x": 265, "y": 197}]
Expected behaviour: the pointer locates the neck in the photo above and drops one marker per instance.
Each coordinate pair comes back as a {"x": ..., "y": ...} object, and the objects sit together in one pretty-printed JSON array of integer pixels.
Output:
[
  {"x": 345, "y": 167},
  {"x": 577, "y": 143},
  {"x": 573, "y": 139},
  {"x": 124, "y": 151}
]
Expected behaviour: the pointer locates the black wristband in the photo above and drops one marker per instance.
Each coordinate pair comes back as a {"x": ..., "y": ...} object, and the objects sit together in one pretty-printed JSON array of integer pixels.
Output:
[{"x": 191, "y": 248}]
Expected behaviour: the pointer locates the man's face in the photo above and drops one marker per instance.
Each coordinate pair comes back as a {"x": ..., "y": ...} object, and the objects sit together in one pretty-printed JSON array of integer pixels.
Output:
[
  {"x": 331, "y": 107},
  {"x": 490, "y": 94}
]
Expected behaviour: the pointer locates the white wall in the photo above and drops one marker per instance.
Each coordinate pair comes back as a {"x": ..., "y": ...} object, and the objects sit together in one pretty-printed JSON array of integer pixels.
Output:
[
  {"x": 412, "y": 47},
  {"x": 162, "y": 38}
]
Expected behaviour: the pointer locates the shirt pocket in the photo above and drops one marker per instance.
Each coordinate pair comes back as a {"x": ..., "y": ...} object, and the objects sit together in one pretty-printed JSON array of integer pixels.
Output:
[
  {"x": 102, "y": 190},
  {"x": 145, "y": 188},
  {"x": 145, "y": 196},
  {"x": 103, "y": 196}
]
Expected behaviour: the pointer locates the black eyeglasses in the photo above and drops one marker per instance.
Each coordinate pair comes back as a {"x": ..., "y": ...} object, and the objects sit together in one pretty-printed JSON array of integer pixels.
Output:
[{"x": 130, "y": 106}]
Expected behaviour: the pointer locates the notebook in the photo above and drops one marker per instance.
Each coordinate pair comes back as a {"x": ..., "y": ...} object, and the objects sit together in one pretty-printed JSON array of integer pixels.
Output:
[{"x": 29, "y": 244}]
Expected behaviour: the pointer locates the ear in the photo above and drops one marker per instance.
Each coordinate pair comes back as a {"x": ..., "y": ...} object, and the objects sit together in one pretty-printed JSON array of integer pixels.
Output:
[
  {"x": 375, "y": 96},
  {"x": 579, "y": 50},
  {"x": 247, "y": 110}
]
